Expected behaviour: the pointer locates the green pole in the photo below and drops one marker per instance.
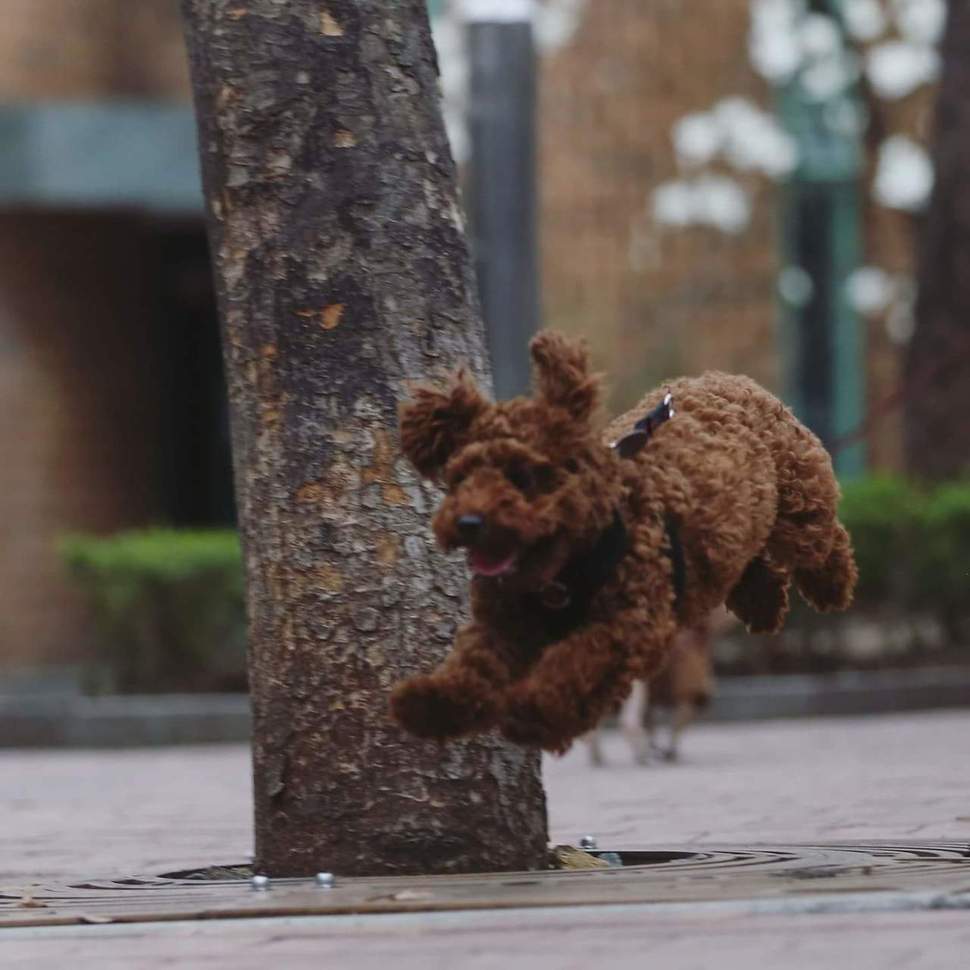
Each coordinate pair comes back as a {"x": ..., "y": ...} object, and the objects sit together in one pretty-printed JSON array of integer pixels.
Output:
[{"x": 822, "y": 339}]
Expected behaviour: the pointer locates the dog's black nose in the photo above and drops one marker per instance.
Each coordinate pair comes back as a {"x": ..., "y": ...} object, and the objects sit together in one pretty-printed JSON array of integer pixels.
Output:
[{"x": 469, "y": 527}]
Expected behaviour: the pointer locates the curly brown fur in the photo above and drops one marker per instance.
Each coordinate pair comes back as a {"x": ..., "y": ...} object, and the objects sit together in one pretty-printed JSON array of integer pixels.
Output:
[{"x": 532, "y": 488}]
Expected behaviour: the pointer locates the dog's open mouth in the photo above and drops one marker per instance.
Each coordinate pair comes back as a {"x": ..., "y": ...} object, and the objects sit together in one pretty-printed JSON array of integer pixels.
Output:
[{"x": 485, "y": 563}]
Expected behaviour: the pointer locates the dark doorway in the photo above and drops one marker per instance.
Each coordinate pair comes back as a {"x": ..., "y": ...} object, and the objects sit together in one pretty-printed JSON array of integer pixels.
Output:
[{"x": 195, "y": 444}]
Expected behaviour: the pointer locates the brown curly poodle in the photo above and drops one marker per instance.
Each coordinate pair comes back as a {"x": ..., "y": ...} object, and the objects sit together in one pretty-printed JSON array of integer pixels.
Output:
[{"x": 590, "y": 550}]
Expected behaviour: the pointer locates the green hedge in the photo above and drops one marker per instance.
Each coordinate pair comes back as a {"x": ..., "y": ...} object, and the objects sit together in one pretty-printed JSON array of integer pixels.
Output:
[
  {"x": 912, "y": 607},
  {"x": 912, "y": 546},
  {"x": 941, "y": 558},
  {"x": 168, "y": 605},
  {"x": 882, "y": 515}
]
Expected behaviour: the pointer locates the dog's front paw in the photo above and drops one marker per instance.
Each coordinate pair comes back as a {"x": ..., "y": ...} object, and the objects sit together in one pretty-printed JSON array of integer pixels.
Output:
[
  {"x": 529, "y": 719},
  {"x": 433, "y": 707}
]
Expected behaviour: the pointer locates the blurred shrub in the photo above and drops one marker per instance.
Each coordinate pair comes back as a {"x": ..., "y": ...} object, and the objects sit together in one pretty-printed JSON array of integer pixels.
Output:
[
  {"x": 168, "y": 606},
  {"x": 941, "y": 557},
  {"x": 882, "y": 515},
  {"x": 912, "y": 547},
  {"x": 913, "y": 598}
]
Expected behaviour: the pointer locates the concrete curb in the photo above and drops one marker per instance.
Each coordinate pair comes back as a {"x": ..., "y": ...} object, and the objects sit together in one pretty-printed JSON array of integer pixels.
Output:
[
  {"x": 847, "y": 693},
  {"x": 121, "y": 721}
]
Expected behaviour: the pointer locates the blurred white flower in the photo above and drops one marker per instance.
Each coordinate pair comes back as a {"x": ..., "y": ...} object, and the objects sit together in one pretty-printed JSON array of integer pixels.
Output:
[
  {"x": 869, "y": 289},
  {"x": 696, "y": 138},
  {"x": 897, "y": 68},
  {"x": 753, "y": 140},
  {"x": 735, "y": 112},
  {"x": 819, "y": 36},
  {"x": 795, "y": 286},
  {"x": 774, "y": 46},
  {"x": 865, "y": 20},
  {"x": 556, "y": 21},
  {"x": 776, "y": 152},
  {"x": 830, "y": 76},
  {"x": 673, "y": 204},
  {"x": 722, "y": 203},
  {"x": 921, "y": 21},
  {"x": 498, "y": 11},
  {"x": 904, "y": 174},
  {"x": 711, "y": 200}
]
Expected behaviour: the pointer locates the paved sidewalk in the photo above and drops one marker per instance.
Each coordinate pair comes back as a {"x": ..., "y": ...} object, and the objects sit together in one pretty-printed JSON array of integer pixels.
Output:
[
  {"x": 894, "y": 778},
  {"x": 80, "y": 813},
  {"x": 881, "y": 777},
  {"x": 586, "y": 938}
]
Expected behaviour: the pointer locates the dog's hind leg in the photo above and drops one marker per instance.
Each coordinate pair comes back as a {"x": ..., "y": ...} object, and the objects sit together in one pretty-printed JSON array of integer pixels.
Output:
[
  {"x": 680, "y": 718},
  {"x": 807, "y": 537},
  {"x": 631, "y": 722},
  {"x": 594, "y": 745},
  {"x": 760, "y": 598},
  {"x": 830, "y": 587}
]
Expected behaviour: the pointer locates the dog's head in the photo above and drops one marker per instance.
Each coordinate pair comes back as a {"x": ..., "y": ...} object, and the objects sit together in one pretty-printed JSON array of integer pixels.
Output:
[{"x": 527, "y": 480}]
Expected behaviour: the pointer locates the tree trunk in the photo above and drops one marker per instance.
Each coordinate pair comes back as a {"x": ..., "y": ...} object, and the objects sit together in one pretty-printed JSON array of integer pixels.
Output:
[
  {"x": 343, "y": 274},
  {"x": 937, "y": 374}
]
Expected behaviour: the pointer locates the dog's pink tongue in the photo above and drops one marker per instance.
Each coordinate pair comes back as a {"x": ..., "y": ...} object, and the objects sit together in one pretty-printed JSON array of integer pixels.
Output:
[{"x": 486, "y": 565}]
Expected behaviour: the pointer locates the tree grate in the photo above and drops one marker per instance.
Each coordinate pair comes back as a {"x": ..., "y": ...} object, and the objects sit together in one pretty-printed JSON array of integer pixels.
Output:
[{"x": 931, "y": 874}]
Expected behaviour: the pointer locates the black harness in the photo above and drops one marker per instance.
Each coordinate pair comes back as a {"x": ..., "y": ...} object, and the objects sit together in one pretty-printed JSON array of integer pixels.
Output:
[{"x": 566, "y": 600}]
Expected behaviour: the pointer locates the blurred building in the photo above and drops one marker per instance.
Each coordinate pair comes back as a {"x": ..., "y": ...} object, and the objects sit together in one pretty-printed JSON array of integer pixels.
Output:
[
  {"x": 111, "y": 408},
  {"x": 731, "y": 184},
  {"x": 737, "y": 186}
]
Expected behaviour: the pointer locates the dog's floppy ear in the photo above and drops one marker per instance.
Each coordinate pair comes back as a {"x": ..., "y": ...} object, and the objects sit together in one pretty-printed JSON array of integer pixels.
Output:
[
  {"x": 561, "y": 374},
  {"x": 434, "y": 424}
]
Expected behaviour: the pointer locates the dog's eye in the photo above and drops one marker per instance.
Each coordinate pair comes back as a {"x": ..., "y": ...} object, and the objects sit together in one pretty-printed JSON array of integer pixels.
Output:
[
  {"x": 520, "y": 477},
  {"x": 527, "y": 478},
  {"x": 545, "y": 478},
  {"x": 453, "y": 478}
]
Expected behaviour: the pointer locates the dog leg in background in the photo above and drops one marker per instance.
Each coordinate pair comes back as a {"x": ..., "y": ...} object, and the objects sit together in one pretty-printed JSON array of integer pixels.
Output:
[
  {"x": 594, "y": 745},
  {"x": 680, "y": 718},
  {"x": 807, "y": 537},
  {"x": 650, "y": 721},
  {"x": 460, "y": 696},
  {"x": 631, "y": 722}
]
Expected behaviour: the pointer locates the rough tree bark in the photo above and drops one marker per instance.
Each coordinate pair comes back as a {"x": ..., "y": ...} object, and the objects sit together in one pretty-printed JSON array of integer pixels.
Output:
[
  {"x": 938, "y": 360},
  {"x": 343, "y": 274}
]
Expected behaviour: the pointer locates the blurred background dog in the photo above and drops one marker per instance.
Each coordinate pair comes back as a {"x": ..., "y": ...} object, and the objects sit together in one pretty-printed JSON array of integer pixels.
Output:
[{"x": 672, "y": 699}]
